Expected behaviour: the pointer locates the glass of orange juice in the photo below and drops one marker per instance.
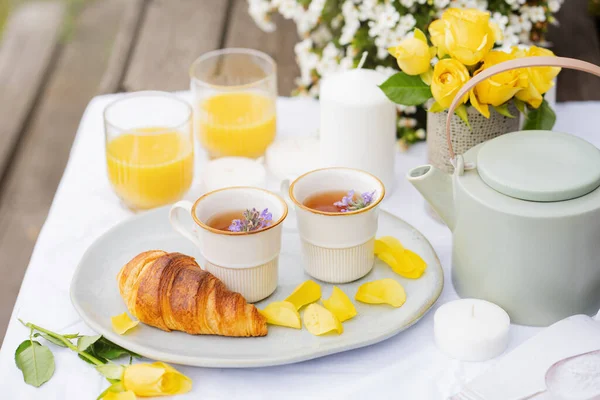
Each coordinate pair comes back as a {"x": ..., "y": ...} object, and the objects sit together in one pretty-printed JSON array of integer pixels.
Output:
[
  {"x": 234, "y": 92},
  {"x": 149, "y": 148}
]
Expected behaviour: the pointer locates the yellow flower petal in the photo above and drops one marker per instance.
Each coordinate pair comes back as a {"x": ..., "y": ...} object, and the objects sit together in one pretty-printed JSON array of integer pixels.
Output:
[
  {"x": 402, "y": 261},
  {"x": 340, "y": 305},
  {"x": 306, "y": 293},
  {"x": 156, "y": 379},
  {"x": 383, "y": 291},
  {"x": 420, "y": 35},
  {"x": 282, "y": 313},
  {"x": 122, "y": 323},
  {"x": 319, "y": 320},
  {"x": 483, "y": 109},
  {"x": 388, "y": 244},
  {"x": 128, "y": 395}
]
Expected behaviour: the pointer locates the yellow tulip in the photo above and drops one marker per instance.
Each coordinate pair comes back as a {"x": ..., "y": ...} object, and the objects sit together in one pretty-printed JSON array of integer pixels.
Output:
[
  {"x": 413, "y": 54},
  {"x": 469, "y": 34},
  {"x": 128, "y": 395},
  {"x": 540, "y": 79},
  {"x": 437, "y": 32},
  {"x": 449, "y": 76},
  {"x": 500, "y": 88},
  {"x": 156, "y": 379}
]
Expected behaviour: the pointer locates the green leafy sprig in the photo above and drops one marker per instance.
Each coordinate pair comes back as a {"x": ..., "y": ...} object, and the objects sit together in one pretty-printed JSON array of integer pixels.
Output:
[{"x": 36, "y": 360}]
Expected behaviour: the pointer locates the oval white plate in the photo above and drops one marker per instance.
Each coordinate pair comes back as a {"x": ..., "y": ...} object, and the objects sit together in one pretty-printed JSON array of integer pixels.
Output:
[{"x": 95, "y": 296}]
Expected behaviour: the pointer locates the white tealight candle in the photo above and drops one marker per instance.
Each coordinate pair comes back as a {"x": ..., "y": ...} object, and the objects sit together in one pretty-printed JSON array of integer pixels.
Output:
[
  {"x": 291, "y": 157},
  {"x": 471, "y": 329},
  {"x": 358, "y": 124},
  {"x": 233, "y": 171}
]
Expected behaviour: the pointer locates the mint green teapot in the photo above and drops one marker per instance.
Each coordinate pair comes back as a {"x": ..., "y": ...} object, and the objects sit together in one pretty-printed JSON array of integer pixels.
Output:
[{"x": 524, "y": 211}]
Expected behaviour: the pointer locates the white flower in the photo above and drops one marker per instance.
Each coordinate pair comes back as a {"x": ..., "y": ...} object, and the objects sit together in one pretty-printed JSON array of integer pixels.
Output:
[
  {"x": 441, "y": 3},
  {"x": 534, "y": 14},
  {"x": 554, "y": 5},
  {"x": 318, "y": 56},
  {"x": 260, "y": 11}
]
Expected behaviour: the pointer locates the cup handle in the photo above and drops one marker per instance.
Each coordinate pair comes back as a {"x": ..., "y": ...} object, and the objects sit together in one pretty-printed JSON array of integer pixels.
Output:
[
  {"x": 178, "y": 225},
  {"x": 284, "y": 190}
]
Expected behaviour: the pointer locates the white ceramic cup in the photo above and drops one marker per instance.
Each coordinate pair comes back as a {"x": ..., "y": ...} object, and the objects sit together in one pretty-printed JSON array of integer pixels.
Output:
[
  {"x": 337, "y": 247},
  {"x": 246, "y": 262}
]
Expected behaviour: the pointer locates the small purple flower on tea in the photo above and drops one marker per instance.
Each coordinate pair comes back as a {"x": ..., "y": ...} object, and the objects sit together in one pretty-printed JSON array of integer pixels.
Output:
[
  {"x": 252, "y": 220},
  {"x": 349, "y": 203}
]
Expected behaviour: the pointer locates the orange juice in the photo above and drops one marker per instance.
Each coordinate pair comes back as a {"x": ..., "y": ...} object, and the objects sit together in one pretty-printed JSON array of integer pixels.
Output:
[
  {"x": 237, "y": 124},
  {"x": 150, "y": 167}
]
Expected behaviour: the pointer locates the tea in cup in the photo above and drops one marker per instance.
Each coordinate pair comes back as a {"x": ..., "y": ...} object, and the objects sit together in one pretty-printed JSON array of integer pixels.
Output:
[
  {"x": 337, "y": 213},
  {"x": 238, "y": 232}
]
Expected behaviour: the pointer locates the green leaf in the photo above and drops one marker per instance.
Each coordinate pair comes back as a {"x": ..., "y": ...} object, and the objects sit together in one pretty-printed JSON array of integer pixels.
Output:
[
  {"x": 35, "y": 361},
  {"x": 51, "y": 339},
  {"x": 106, "y": 349},
  {"x": 86, "y": 341},
  {"x": 406, "y": 89},
  {"x": 436, "y": 107},
  {"x": 503, "y": 110},
  {"x": 541, "y": 118},
  {"x": 520, "y": 106},
  {"x": 111, "y": 371},
  {"x": 461, "y": 111},
  {"x": 71, "y": 335}
]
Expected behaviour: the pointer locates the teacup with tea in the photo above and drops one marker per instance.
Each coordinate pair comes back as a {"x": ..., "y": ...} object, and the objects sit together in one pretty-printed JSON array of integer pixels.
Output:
[
  {"x": 337, "y": 213},
  {"x": 239, "y": 237}
]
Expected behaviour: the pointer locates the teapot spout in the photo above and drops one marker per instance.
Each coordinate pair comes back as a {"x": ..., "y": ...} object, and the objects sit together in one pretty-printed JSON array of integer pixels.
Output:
[{"x": 436, "y": 187}]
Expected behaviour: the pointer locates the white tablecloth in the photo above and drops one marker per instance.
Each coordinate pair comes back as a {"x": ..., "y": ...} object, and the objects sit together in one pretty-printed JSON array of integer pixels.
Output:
[{"x": 407, "y": 366}]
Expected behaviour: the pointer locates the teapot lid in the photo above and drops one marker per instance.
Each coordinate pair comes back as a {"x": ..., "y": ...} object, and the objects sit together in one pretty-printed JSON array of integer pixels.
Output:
[{"x": 540, "y": 166}]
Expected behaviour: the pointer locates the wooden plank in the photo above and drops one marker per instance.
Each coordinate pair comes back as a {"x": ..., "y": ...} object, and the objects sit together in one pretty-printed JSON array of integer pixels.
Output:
[
  {"x": 39, "y": 163},
  {"x": 243, "y": 32},
  {"x": 120, "y": 55},
  {"x": 173, "y": 34},
  {"x": 576, "y": 37},
  {"x": 27, "y": 46}
]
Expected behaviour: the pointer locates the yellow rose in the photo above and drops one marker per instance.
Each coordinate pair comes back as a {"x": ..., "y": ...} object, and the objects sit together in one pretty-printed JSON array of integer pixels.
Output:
[
  {"x": 437, "y": 32},
  {"x": 541, "y": 79},
  {"x": 156, "y": 379},
  {"x": 500, "y": 88},
  {"x": 469, "y": 35},
  {"x": 449, "y": 76},
  {"x": 413, "y": 54}
]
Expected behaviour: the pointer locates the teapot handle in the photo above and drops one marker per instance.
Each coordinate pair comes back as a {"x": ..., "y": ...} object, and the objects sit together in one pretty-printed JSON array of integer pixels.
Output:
[{"x": 563, "y": 62}]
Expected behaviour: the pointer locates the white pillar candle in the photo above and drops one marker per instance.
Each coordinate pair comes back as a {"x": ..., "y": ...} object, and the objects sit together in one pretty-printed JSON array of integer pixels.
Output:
[
  {"x": 289, "y": 158},
  {"x": 233, "y": 171},
  {"x": 358, "y": 124},
  {"x": 471, "y": 329}
]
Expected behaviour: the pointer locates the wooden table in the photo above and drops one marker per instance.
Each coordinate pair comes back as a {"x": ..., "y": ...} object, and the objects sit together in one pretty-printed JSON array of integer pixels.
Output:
[{"x": 46, "y": 81}]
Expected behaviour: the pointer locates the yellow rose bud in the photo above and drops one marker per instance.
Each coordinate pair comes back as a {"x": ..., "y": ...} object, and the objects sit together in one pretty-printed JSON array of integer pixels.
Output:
[
  {"x": 500, "y": 88},
  {"x": 156, "y": 379},
  {"x": 541, "y": 79},
  {"x": 413, "y": 54},
  {"x": 449, "y": 76},
  {"x": 128, "y": 395},
  {"x": 437, "y": 32},
  {"x": 469, "y": 34}
]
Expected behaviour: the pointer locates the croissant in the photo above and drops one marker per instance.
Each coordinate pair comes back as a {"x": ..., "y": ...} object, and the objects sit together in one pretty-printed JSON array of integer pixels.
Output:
[{"x": 171, "y": 292}]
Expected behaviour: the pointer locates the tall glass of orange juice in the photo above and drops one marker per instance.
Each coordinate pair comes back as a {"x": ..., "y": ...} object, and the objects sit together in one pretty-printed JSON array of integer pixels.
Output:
[
  {"x": 149, "y": 148},
  {"x": 234, "y": 92}
]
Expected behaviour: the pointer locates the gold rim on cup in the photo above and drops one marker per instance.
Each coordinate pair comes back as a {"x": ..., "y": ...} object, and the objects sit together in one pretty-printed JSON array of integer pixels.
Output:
[
  {"x": 220, "y": 232},
  {"x": 336, "y": 214}
]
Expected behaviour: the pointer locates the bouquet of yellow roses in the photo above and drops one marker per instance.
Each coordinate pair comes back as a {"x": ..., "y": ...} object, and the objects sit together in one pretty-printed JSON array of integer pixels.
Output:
[{"x": 463, "y": 42}]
